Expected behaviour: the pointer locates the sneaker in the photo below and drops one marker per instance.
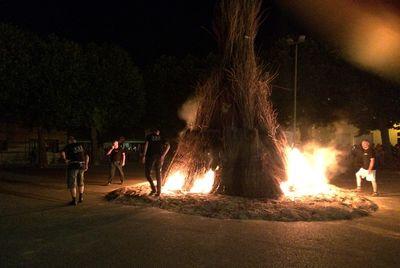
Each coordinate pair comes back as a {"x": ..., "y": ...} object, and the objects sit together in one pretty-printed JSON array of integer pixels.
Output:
[
  {"x": 122, "y": 182},
  {"x": 80, "y": 198},
  {"x": 108, "y": 183},
  {"x": 375, "y": 194},
  {"x": 157, "y": 194},
  {"x": 73, "y": 202},
  {"x": 358, "y": 189}
]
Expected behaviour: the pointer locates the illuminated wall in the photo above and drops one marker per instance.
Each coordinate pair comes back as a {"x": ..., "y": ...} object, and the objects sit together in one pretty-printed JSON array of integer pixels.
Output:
[{"x": 394, "y": 136}]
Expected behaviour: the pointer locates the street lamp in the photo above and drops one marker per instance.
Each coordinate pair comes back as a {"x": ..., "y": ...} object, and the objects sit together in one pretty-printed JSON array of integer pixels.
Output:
[{"x": 296, "y": 42}]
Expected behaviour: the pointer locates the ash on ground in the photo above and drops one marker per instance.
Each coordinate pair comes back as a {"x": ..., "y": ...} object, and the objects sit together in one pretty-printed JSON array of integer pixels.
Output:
[{"x": 343, "y": 204}]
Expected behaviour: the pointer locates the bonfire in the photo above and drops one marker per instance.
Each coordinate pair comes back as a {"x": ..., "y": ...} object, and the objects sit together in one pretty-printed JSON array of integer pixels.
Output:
[
  {"x": 235, "y": 126},
  {"x": 234, "y": 145},
  {"x": 233, "y": 160}
]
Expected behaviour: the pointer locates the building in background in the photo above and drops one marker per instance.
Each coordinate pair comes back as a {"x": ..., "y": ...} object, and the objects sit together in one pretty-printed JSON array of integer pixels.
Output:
[{"x": 18, "y": 145}]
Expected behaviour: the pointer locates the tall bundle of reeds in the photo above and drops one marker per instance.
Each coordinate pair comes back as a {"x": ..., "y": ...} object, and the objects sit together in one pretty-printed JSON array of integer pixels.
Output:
[{"x": 235, "y": 124}]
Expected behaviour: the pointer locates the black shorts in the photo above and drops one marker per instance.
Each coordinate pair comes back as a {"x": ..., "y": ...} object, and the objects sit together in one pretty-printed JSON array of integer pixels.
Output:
[{"x": 74, "y": 177}]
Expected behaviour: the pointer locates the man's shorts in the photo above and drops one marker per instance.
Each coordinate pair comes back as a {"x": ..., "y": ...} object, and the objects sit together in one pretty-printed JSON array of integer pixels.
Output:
[
  {"x": 363, "y": 173},
  {"x": 75, "y": 176}
]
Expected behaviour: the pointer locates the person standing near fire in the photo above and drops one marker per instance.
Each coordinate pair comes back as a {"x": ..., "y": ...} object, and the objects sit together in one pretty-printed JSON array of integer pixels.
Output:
[
  {"x": 367, "y": 169},
  {"x": 154, "y": 152},
  {"x": 77, "y": 160},
  {"x": 117, "y": 161}
]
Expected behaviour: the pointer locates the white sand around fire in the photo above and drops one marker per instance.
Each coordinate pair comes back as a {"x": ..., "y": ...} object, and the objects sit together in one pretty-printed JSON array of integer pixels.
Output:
[{"x": 344, "y": 204}]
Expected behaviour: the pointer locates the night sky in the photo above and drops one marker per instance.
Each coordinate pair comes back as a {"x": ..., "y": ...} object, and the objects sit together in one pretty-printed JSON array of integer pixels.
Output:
[{"x": 147, "y": 29}]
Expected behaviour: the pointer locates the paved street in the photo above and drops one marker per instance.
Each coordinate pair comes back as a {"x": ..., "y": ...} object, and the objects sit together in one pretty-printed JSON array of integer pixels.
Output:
[{"x": 38, "y": 229}]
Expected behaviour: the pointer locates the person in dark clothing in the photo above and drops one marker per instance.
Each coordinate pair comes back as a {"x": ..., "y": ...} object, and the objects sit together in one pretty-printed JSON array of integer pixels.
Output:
[
  {"x": 117, "y": 159},
  {"x": 155, "y": 150},
  {"x": 77, "y": 160},
  {"x": 367, "y": 168}
]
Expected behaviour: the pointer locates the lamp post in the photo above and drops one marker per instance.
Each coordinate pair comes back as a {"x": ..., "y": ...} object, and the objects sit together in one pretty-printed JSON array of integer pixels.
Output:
[{"x": 296, "y": 42}]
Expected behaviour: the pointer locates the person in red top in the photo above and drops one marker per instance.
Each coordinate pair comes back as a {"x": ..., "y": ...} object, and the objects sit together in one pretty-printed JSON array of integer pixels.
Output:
[{"x": 117, "y": 159}]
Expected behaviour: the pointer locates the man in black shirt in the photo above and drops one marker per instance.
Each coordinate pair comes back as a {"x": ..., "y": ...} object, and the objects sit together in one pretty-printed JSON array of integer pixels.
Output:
[
  {"x": 117, "y": 158},
  {"x": 77, "y": 161},
  {"x": 155, "y": 150},
  {"x": 367, "y": 167}
]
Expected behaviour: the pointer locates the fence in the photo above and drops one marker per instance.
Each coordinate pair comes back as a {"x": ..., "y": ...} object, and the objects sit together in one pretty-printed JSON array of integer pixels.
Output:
[{"x": 26, "y": 153}]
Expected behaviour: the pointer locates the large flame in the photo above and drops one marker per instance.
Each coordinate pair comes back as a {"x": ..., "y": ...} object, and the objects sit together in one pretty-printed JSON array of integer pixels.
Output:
[
  {"x": 307, "y": 172},
  {"x": 203, "y": 183},
  {"x": 174, "y": 182}
]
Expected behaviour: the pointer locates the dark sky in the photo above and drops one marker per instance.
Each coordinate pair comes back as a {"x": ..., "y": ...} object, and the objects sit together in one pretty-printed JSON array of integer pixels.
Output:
[{"x": 146, "y": 28}]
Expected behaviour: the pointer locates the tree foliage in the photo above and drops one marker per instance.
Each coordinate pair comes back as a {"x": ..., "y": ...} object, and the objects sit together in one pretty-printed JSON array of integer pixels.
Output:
[
  {"x": 330, "y": 89},
  {"x": 55, "y": 83},
  {"x": 169, "y": 83},
  {"x": 18, "y": 60}
]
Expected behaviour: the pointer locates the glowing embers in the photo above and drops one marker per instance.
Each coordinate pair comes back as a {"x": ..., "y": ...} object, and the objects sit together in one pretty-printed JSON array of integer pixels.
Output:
[
  {"x": 307, "y": 172},
  {"x": 203, "y": 183}
]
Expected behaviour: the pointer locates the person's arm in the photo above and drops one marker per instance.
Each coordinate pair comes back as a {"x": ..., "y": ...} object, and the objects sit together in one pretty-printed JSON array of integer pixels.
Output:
[
  {"x": 123, "y": 159},
  {"x": 110, "y": 151},
  {"x": 86, "y": 162},
  {"x": 63, "y": 156},
  {"x": 166, "y": 149},
  {"x": 371, "y": 161},
  {"x": 371, "y": 164},
  {"x": 146, "y": 145}
]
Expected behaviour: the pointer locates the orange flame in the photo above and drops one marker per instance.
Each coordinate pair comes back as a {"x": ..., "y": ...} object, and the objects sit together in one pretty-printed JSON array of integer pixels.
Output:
[
  {"x": 203, "y": 183},
  {"x": 307, "y": 172},
  {"x": 174, "y": 182}
]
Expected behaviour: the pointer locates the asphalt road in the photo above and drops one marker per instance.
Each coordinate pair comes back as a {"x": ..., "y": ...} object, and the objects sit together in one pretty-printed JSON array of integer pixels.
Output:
[{"x": 38, "y": 229}]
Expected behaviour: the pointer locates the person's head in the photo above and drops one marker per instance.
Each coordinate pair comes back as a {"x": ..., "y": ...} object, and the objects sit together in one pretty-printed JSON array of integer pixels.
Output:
[
  {"x": 71, "y": 139},
  {"x": 121, "y": 139},
  {"x": 365, "y": 144},
  {"x": 155, "y": 131},
  {"x": 115, "y": 144}
]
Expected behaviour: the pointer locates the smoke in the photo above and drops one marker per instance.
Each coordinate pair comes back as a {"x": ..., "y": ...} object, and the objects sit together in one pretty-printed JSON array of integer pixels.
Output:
[
  {"x": 188, "y": 111},
  {"x": 342, "y": 134},
  {"x": 335, "y": 157},
  {"x": 342, "y": 141},
  {"x": 334, "y": 142}
]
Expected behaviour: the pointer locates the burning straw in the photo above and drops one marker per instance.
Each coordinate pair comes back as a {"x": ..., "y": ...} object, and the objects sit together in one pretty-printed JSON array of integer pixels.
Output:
[
  {"x": 235, "y": 125},
  {"x": 233, "y": 146}
]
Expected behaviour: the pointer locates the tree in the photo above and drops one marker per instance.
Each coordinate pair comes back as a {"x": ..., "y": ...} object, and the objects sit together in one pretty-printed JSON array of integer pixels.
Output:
[
  {"x": 322, "y": 84},
  {"x": 375, "y": 105},
  {"x": 110, "y": 94},
  {"x": 18, "y": 59},
  {"x": 169, "y": 83},
  {"x": 55, "y": 84},
  {"x": 48, "y": 97},
  {"x": 332, "y": 89},
  {"x": 32, "y": 80}
]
